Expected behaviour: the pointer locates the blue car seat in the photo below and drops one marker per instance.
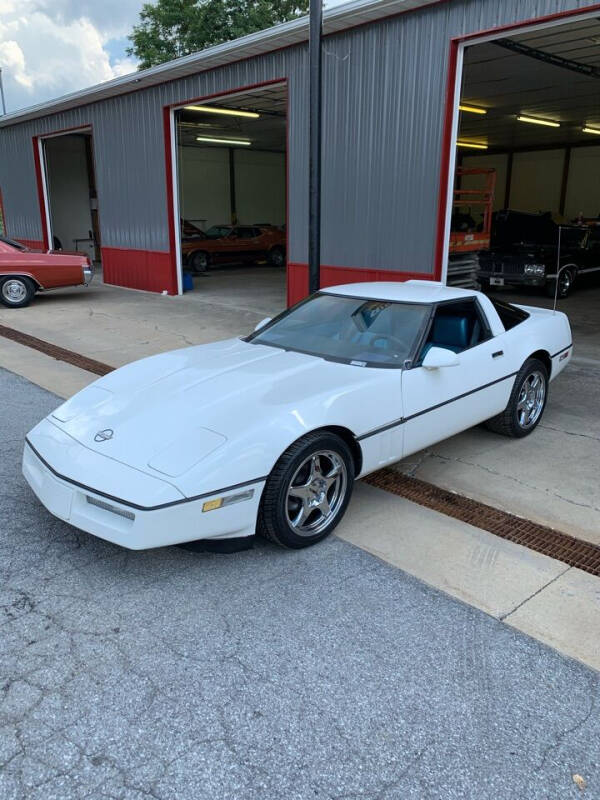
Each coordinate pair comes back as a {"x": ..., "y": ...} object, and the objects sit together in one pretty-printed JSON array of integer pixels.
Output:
[{"x": 452, "y": 333}]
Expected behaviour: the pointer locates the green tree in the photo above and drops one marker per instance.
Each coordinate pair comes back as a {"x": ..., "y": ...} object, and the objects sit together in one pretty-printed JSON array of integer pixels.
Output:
[{"x": 171, "y": 28}]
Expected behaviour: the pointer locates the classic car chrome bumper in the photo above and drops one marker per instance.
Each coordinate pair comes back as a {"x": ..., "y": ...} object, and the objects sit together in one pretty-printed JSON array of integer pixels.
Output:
[{"x": 88, "y": 274}]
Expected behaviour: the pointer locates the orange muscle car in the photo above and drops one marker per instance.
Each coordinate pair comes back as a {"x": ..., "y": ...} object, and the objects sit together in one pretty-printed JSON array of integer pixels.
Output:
[
  {"x": 24, "y": 272},
  {"x": 234, "y": 243}
]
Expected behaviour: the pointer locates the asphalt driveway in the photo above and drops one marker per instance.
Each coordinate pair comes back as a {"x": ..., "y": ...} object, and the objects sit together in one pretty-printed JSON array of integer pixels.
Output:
[{"x": 265, "y": 674}]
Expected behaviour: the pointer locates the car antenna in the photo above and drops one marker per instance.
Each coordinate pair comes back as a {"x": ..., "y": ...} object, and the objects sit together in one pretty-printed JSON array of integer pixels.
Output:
[{"x": 559, "y": 269}]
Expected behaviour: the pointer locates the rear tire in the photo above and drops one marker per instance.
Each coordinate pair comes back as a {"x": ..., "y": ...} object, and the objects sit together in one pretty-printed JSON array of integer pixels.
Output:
[
  {"x": 199, "y": 261},
  {"x": 307, "y": 492},
  {"x": 565, "y": 284},
  {"x": 16, "y": 291},
  {"x": 527, "y": 402},
  {"x": 276, "y": 257}
]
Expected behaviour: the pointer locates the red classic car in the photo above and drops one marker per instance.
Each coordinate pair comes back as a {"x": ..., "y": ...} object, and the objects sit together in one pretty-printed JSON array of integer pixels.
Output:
[
  {"x": 234, "y": 243},
  {"x": 24, "y": 272}
]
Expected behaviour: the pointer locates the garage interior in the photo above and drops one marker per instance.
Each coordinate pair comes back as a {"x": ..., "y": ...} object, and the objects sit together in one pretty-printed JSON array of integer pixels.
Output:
[
  {"x": 231, "y": 178},
  {"x": 71, "y": 194},
  {"x": 530, "y": 114}
]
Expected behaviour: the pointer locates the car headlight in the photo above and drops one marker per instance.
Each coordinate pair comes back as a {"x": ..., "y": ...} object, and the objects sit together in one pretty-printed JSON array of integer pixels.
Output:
[{"x": 535, "y": 269}]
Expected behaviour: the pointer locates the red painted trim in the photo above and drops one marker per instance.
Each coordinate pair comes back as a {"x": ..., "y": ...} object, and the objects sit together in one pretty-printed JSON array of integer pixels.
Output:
[
  {"x": 297, "y": 274},
  {"x": 169, "y": 180},
  {"x": 62, "y": 131},
  {"x": 2, "y": 214},
  {"x": 455, "y": 42},
  {"x": 248, "y": 88},
  {"x": 151, "y": 270},
  {"x": 513, "y": 26},
  {"x": 445, "y": 160},
  {"x": 40, "y": 191}
]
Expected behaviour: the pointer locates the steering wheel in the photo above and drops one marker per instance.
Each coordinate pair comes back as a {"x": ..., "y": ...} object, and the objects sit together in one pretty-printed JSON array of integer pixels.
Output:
[{"x": 388, "y": 338}]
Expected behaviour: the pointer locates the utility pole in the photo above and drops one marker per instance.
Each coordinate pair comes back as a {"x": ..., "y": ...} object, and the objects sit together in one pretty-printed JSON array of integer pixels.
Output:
[
  {"x": 314, "y": 159},
  {"x": 2, "y": 94}
]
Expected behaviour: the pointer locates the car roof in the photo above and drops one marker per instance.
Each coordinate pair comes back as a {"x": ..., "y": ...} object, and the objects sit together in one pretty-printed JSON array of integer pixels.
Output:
[{"x": 403, "y": 291}]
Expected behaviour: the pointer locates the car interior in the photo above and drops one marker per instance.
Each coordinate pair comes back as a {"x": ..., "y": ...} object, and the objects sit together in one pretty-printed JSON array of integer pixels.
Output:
[{"x": 456, "y": 327}]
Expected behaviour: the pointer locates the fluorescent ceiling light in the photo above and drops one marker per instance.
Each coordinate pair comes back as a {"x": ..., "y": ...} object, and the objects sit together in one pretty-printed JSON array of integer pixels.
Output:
[
  {"x": 587, "y": 129},
  {"x": 228, "y": 112},
  {"x": 213, "y": 140},
  {"x": 472, "y": 109},
  {"x": 473, "y": 145},
  {"x": 535, "y": 121}
]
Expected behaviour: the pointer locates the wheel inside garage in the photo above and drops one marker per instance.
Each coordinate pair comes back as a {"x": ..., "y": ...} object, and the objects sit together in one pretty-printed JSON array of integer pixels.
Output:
[
  {"x": 231, "y": 194},
  {"x": 525, "y": 217}
]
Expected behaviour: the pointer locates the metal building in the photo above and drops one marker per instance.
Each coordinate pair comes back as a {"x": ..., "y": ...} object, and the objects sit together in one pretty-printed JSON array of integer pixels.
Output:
[{"x": 391, "y": 87}]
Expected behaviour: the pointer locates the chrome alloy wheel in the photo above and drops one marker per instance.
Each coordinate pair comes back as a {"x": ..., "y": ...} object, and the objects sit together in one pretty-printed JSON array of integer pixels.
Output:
[
  {"x": 14, "y": 290},
  {"x": 531, "y": 399},
  {"x": 564, "y": 283},
  {"x": 316, "y": 492}
]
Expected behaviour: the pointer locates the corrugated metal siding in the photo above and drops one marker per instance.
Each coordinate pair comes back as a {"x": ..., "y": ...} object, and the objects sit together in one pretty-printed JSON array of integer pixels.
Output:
[{"x": 384, "y": 88}]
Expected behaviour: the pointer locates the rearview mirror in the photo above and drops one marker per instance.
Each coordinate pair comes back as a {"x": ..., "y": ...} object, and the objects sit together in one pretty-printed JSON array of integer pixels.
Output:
[
  {"x": 440, "y": 357},
  {"x": 262, "y": 323}
]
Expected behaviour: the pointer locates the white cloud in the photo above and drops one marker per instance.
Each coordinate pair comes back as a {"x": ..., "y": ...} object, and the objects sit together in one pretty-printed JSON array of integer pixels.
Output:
[{"x": 51, "y": 47}]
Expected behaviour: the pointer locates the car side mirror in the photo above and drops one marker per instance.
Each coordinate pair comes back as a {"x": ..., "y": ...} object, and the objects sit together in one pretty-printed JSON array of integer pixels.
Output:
[
  {"x": 262, "y": 323},
  {"x": 440, "y": 357}
]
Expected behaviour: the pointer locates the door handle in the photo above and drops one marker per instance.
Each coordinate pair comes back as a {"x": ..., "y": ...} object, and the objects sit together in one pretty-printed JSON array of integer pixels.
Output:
[{"x": 498, "y": 353}]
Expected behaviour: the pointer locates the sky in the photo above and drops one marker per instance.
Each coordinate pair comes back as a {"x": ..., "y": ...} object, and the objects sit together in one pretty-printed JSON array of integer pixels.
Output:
[{"x": 52, "y": 47}]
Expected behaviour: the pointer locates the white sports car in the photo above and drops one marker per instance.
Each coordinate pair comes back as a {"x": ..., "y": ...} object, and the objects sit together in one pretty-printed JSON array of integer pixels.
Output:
[{"x": 267, "y": 433}]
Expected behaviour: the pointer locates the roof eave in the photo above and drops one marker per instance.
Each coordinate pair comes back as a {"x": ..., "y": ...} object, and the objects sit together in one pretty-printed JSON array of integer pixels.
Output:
[{"x": 286, "y": 34}]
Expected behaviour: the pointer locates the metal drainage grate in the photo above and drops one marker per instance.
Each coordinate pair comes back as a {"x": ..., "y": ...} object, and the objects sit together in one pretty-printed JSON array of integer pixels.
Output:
[
  {"x": 59, "y": 353},
  {"x": 561, "y": 546}
]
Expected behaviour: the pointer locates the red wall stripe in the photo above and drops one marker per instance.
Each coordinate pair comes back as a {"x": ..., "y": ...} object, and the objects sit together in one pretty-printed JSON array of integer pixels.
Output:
[
  {"x": 139, "y": 269},
  {"x": 32, "y": 244},
  {"x": 40, "y": 191},
  {"x": 297, "y": 278}
]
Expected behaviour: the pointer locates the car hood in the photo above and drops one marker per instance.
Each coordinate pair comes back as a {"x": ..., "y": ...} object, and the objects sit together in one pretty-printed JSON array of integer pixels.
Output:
[{"x": 166, "y": 413}]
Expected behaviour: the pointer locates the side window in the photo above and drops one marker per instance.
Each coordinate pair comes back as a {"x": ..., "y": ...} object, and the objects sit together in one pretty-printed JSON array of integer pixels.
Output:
[
  {"x": 245, "y": 233},
  {"x": 594, "y": 240},
  {"x": 456, "y": 326}
]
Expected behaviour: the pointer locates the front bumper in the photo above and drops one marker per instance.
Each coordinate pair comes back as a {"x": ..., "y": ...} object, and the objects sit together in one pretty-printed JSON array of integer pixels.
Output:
[
  {"x": 511, "y": 279},
  {"x": 88, "y": 274},
  {"x": 131, "y": 526}
]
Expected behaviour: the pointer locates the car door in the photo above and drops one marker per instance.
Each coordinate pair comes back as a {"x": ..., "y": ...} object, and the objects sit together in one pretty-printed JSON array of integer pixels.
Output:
[{"x": 438, "y": 403}]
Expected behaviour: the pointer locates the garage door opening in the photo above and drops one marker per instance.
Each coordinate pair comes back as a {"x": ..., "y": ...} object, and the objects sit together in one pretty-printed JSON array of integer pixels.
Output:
[
  {"x": 528, "y": 163},
  {"x": 231, "y": 191},
  {"x": 71, "y": 196}
]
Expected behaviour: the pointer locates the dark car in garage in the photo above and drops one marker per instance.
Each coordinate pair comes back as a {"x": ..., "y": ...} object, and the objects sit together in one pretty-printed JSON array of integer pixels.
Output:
[{"x": 524, "y": 252}]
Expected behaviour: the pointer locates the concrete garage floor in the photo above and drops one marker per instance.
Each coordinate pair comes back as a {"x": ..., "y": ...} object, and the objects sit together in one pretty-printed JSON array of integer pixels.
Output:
[
  {"x": 321, "y": 673},
  {"x": 550, "y": 477}
]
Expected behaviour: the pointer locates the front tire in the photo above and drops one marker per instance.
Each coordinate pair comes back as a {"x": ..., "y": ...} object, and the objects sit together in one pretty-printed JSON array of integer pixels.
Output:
[
  {"x": 308, "y": 491},
  {"x": 16, "y": 291},
  {"x": 527, "y": 402}
]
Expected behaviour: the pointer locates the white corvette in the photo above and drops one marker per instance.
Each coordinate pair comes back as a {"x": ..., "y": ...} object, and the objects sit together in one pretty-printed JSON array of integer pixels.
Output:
[{"x": 266, "y": 434}]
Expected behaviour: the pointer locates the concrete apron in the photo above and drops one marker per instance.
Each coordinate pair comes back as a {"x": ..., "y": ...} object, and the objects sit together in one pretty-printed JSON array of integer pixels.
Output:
[{"x": 549, "y": 477}]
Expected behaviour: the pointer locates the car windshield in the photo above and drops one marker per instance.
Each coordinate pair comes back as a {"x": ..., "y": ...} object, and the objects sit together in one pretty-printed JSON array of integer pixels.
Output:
[
  {"x": 218, "y": 231},
  {"x": 12, "y": 243},
  {"x": 375, "y": 333}
]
